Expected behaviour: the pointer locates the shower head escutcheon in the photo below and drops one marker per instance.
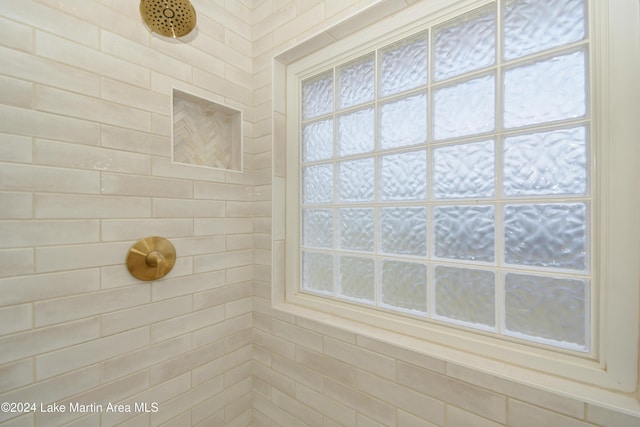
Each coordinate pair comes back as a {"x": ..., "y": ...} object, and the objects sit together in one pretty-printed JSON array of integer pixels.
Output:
[{"x": 170, "y": 18}]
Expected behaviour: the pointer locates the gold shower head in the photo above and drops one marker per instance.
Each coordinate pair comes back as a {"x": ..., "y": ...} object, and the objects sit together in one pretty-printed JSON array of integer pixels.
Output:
[{"x": 170, "y": 18}]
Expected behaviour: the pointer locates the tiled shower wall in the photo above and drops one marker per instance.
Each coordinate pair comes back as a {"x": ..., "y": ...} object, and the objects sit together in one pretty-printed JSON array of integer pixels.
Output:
[{"x": 86, "y": 171}]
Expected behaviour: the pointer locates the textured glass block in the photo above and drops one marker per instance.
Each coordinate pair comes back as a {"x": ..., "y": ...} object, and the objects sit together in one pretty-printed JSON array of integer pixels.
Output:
[
  {"x": 404, "y": 286},
  {"x": 356, "y": 82},
  {"x": 317, "y": 96},
  {"x": 464, "y": 170},
  {"x": 465, "y": 44},
  {"x": 403, "y": 122},
  {"x": 356, "y": 180},
  {"x": 356, "y": 132},
  {"x": 546, "y": 235},
  {"x": 404, "y": 176},
  {"x": 404, "y": 231},
  {"x": 403, "y": 66},
  {"x": 317, "y": 272},
  {"x": 317, "y": 141},
  {"x": 546, "y": 163},
  {"x": 534, "y": 25},
  {"x": 465, "y": 232},
  {"x": 465, "y": 295},
  {"x": 545, "y": 91},
  {"x": 356, "y": 278},
  {"x": 547, "y": 308},
  {"x": 317, "y": 228},
  {"x": 317, "y": 184},
  {"x": 357, "y": 229},
  {"x": 467, "y": 108}
]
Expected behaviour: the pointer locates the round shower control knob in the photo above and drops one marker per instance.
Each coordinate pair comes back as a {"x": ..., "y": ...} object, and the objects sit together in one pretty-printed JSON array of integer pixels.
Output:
[{"x": 151, "y": 258}]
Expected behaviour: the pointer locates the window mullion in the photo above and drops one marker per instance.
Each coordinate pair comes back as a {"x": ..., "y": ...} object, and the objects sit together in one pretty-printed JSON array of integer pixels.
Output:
[
  {"x": 499, "y": 205},
  {"x": 336, "y": 219},
  {"x": 377, "y": 178}
]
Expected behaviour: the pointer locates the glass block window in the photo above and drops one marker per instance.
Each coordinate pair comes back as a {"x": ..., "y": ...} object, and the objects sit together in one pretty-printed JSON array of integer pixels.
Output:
[{"x": 446, "y": 175}]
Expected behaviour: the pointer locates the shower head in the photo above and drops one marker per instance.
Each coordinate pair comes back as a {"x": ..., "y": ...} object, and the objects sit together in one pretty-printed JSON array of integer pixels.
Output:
[{"x": 170, "y": 18}]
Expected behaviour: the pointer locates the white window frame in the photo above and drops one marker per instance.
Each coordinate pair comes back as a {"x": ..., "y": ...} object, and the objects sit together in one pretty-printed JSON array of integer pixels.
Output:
[{"x": 615, "y": 106}]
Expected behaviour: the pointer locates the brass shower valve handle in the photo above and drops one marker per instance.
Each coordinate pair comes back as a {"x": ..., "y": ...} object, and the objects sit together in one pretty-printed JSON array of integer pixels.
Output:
[
  {"x": 151, "y": 258},
  {"x": 155, "y": 259}
]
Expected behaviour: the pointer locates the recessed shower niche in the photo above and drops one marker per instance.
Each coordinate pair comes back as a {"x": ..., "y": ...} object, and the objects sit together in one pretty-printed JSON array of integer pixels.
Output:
[{"x": 205, "y": 133}]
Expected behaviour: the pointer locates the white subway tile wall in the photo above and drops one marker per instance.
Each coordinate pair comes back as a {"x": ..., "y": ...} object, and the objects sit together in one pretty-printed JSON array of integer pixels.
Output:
[{"x": 85, "y": 171}]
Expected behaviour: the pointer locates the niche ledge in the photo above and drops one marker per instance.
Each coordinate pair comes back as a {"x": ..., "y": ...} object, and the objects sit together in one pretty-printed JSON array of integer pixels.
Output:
[{"x": 205, "y": 133}]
